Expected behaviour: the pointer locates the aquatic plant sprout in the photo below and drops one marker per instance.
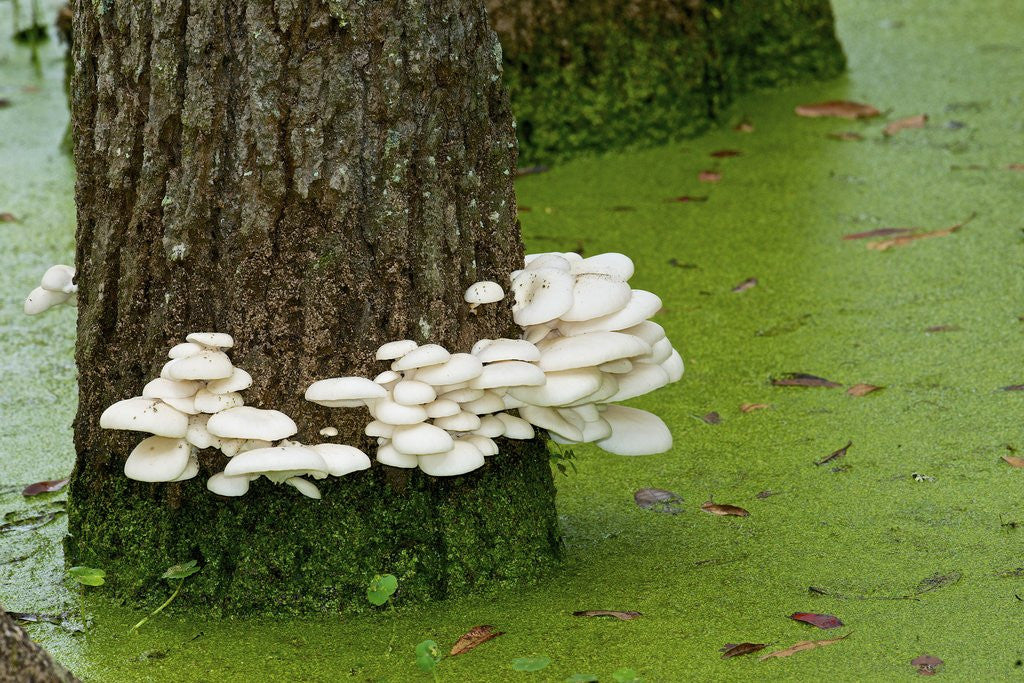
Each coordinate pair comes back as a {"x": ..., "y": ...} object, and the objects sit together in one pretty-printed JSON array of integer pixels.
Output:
[{"x": 586, "y": 343}]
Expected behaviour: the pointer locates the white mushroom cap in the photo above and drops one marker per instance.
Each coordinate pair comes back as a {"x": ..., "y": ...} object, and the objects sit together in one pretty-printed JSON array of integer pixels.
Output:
[
  {"x": 673, "y": 367},
  {"x": 595, "y": 295},
  {"x": 650, "y": 331},
  {"x": 516, "y": 427},
  {"x": 421, "y": 357},
  {"x": 387, "y": 455},
  {"x": 184, "y": 405},
  {"x": 597, "y": 430},
  {"x": 460, "y": 422},
  {"x": 344, "y": 392},
  {"x": 225, "y": 485},
  {"x": 412, "y": 392},
  {"x": 463, "y": 395},
  {"x": 609, "y": 387},
  {"x": 378, "y": 428},
  {"x": 246, "y": 422},
  {"x": 483, "y": 444},
  {"x": 341, "y": 459},
  {"x": 642, "y": 305},
  {"x": 490, "y": 427},
  {"x": 238, "y": 381},
  {"x": 229, "y": 447},
  {"x": 207, "y": 364},
  {"x": 207, "y": 402},
  {"x": 561, "y": 388},
  {"x": 145, "y": 415},
  {"x": 158, "y": 459},
  {"x": 171, "y": 388},
  {"x": 549, "y": 259},
  {"x": 217, "y": 340},
  {"x": 541, "y": 295},
  {"x": 59, "y": 278},
  {"x": 184, "y": 350},
  {"x": 304, "y": 486},
  {"x": 191, "y": 469},
  {"x": 460, "y": 367},
  {"x": 511, "y": 402},
  {"x": 509, "y": 373},
  {"x": 421, "y": 439},
  {"x": 197, "y": 434},
  {"x": 589, "y": 350},
  {"x": 616, "y": 367},
  {"x": 618, "y": 266},
  {"x": 507, "y": 349},
  {"x": 329, "y": 431},
  {"x": 442, "y": 407},
  {"x": 253, "y": 444},
  {"x": 536, "y": 333},
  {"x": 393, "y": 413},
  {"x": 549, "y": 419},
  {"x": 483, "y": 292},
  {"x": 387, "y": 377},
  {"x": 490, "y": 402},
  {"x": 462, "y": 458},
  {"x": 660, "y": 352},
  {"x": 276, "y": 463},
  {"x": 635, "y": 432},
  {"x": 395, "y": 349},
  {"x": 40, "y": 299},
  {"x": 642, "y": 379}
]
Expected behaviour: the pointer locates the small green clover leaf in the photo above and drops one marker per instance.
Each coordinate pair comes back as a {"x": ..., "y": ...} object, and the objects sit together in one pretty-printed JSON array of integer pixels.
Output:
[
  {"x": 381, "y": 588},
  {"x": 626, "y": 675},
  {"x": 427, "y": 655},
  {"x": 530, "y": 663},
  {"x": 181, "y": 571},
  {"x": 87, "y": 576}
]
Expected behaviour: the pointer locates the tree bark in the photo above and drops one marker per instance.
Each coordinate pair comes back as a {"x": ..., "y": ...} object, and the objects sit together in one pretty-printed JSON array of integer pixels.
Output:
[
  {"x": 314, "y": 178},
  {"x": 23, "y": 661}
]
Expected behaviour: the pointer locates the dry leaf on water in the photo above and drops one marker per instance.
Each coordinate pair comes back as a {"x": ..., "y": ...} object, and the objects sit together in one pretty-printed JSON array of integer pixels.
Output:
[
  {"x": 904, "y": 240},
  {"x": 843, "y": 109},
  {"x": 904, "y": 123},
  {"x": 751, "y": 407},
  {"x": 880, "y": 232},
  {"x": 723, "y": 510},
  {"x": 802, "y": 379},
  {"x": 1015, "y": 167},
  {"x": 862, "y": 389},
  {"x": 926, "y": 665},
  {"x": 723, "y": 153},
  {"x": 834, "y": 455},
  {"x": 661, "y": 499},
  {"x": 1014, "y": 461},
  {"x": 1014, "y": 387},
  {"x": 801, "y": 646},
  {"x": 44, "y": 487},
  {"x": 739, "y": 649},
  {"x": 825, "y": 621},
  {"x": 618, "y": 614},
  {"x": 478, "y": 635},
  {"x": 709, "y": 176},
  {"x": 846, "y": 135},
  {"x": 7, "y": 217},
  {"x": 942, "y": 328},
  {"x": 712, "y": 418},
  {"x": 745, "y": 285},
  {"x": 744, "y": 127},
  {"x": 686, "y": 199}
]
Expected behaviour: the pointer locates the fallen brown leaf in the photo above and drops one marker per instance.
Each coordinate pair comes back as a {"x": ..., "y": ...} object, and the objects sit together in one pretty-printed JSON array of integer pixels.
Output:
[
  {"x": 880, "y": 232},
  {"x": 744, "y": 127},
  {"x": 843, "y": 109},
  {"x": 1015, "y": 167},
  {"x": 44, "y": 487},
  {"x": 904, "y": 240},
  {"x": 739, "y": 649},
  {"x": 802, "y": 379},
  {"x": 1014, "y": 461},
  {"x": 709, "y": 176},
  {"x": 1014, "y": 387},
  {"x": 712, "y": 418},
  {"x": 824, "y": 621},
  {"x": 723, "y": 153},
  {"x": 4, "y": 103},
  {"x": 834, "y": 455},
  {"x": 723, "y": 510},
  {"x": 926, "y": 665},
  {"x": 802, "y": 646},
  {"x": 621, "y": 616},
  {"x": 745, "y": 285},
  {"x": 685, "y": 199},
  {"x": 862, "y": 389},
  {"x": 905, "y": 123},
  {"x": 478, "y": 635},
  {"x": 751, "y": 407},
  {"x": 846, "y": 135},
  {"x": 660, "y": 498},
  {"x": 942, "y": 328},
  {"x": 7, "y": 217}
]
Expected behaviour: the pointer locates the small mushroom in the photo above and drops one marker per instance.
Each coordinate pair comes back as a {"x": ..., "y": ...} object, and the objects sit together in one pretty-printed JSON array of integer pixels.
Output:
[
  {"x": 158, "y": 459},
  {"x": 484, "y": 292},
  {"x": 246, "y": 422},
  {"x": 145, "y": 415}
]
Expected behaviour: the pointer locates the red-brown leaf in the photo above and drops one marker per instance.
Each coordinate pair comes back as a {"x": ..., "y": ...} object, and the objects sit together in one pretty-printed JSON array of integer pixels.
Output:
[
  {"x": 902, "y": 124},
  {"x": 723, "y": 153},
  {"x": 709, "y": 176},
  {"x": 745, "y": 285},
  {"x": 617, "y": 614},
  {"x": 802, "y": 379},
  {"x": 1015, "y": 167},
  {"x": 846, "y": 136},
  {"x": 862, "y": 389},
  {"x": 1014, "y": 461},
  {"x": 712, "y": 418},
  {"x": 739, "y": 649},
  {"x": 904, "y": 240},
  {"x": 825, "y": 621},
  {"x": 942, "y": 328},
  {"x": 685, "y": 199},
  {"x": 843, "y": 109},
  {"x": 1014, "y": 387},
  {"x": 478, "y": 635},
  {"x": 44, "y": 487},
  {"x": 834, "y": 455},
  {"x": 926, "y": 665},
  {"x": 7, "y": 217},
  {"x": 880, "y": 232},
  {"x": 723, "y": 510}
]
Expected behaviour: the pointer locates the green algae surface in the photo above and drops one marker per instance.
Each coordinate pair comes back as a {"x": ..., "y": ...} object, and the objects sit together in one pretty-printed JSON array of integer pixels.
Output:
[{"x": 912, "y": 538}]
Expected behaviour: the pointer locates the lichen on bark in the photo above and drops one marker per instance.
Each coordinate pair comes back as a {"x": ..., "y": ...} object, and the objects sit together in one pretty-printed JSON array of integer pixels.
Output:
[{"x": 314, "y": 179}]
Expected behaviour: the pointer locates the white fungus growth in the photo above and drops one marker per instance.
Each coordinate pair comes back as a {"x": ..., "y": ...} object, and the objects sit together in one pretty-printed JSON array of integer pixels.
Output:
[{"x": 56, "y": 287}]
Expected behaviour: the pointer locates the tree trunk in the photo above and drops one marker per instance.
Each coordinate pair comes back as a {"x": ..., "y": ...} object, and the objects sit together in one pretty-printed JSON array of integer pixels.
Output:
[
  {"x": 314, "y": 178},
  {"x": 23, "y": 661}
]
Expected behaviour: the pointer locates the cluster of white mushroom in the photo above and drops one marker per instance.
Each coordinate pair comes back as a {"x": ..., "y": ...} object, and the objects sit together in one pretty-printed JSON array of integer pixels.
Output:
[
  {"x": 57, "y": 287},
  {"x": 586, "y": 343},
  {"x": 196, "y": 404}
]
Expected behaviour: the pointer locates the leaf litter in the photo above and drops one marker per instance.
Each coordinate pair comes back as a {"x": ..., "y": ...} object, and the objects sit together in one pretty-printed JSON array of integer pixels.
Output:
[
  {"x": 803, "y": 646},
  {"x": 835, "y": 455},
  {"x": 723, "y": 510},
  {"x": 617, "y": 614},
  {"x": 658, "y": 499},
  {"x": 823, "y": 621},
  {"x": 739, "y": 649},
  {"x": 476, "y": 636},
  {"x": 843, "y": 109},
  {"x": 896, "y": 126},
  {"x": 903, "y": 240},
  {"x": 802, "y": 379}
]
